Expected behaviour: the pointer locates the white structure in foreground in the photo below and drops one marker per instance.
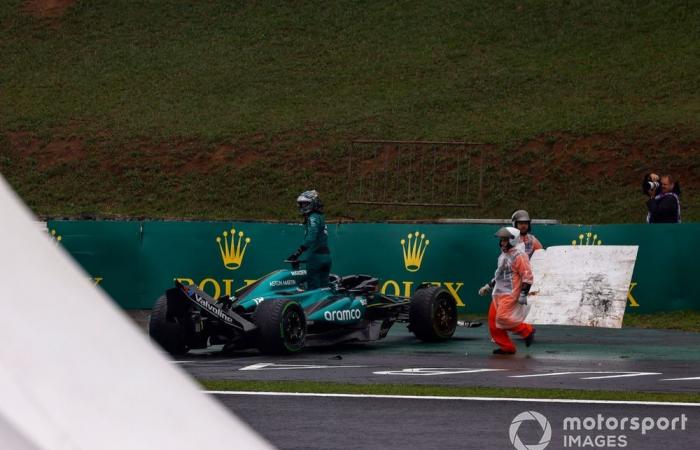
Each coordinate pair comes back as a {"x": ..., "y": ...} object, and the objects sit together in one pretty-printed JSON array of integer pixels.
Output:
[
  {"x": 76, "y": 374},
  {"x": 583, "y": 285}
]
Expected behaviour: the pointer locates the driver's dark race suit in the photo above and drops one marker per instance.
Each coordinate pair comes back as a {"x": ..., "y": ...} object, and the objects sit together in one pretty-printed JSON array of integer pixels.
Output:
[{"x": 315, "y": 246}]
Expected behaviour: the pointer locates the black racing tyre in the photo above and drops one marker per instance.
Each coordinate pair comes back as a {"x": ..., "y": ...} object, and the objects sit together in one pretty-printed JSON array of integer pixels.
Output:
[
  {"x": 281, "y": 326},
  {"x": 168, "y": 324},
  {"x": 433, "y": 314}
]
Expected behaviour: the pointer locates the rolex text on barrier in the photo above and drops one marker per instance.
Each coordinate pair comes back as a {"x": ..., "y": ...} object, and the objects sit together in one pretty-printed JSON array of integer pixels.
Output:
[{"x": 134, "y": 261}]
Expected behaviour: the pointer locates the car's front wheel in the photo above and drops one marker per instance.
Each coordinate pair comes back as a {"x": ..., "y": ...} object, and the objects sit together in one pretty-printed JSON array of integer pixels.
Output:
[{"x": 281, "y": 326}]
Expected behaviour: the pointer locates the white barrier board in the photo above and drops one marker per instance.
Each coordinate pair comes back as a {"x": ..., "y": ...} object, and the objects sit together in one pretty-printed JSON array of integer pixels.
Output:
[
  {"x": 76, "y": 373},
  {"x": 583, "y": 285}
]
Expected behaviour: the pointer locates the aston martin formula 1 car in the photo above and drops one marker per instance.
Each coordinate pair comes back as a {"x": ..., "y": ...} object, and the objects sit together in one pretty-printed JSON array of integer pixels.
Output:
[{"x": 276, "y": 315}]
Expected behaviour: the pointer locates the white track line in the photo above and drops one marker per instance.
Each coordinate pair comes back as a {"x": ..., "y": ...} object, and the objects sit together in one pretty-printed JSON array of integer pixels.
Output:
[
  {"x": 272, "y": 366},
  {"x": 680, "y": 379},
  {"x": 634, "y": 374},
  {"x": 615, "y": 375},
  {"x": 203, "y": 361},
  {"x": 437, "y": 397},
  {"x": 435, "y": 371}
]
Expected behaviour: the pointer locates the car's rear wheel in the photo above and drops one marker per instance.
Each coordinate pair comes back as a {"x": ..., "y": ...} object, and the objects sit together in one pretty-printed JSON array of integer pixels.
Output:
[
  {"x": 168, "y": 324},
  {"x": 433, "y": 314},
  {"x": 281, "y": 326}
]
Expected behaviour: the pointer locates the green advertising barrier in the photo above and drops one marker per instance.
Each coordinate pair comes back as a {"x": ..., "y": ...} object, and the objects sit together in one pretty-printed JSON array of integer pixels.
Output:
[{"x": 135, "y": 262}]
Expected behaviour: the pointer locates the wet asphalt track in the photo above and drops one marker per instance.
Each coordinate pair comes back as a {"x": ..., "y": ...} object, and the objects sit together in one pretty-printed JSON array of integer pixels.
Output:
[
  {"x": 562, "y": 357},
  {"x": 333, "y": 423}
]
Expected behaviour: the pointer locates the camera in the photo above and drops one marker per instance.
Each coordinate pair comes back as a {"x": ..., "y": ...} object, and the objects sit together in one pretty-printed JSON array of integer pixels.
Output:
[{"x": 650, "y": 183}]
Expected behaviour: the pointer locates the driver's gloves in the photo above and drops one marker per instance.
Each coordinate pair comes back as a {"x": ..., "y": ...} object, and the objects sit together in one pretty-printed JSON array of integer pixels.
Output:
[{"x": 294, "y": 256}]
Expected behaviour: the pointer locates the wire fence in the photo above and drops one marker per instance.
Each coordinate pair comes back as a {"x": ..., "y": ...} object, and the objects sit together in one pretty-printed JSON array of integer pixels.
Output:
[{"x": 415, "y": 173}]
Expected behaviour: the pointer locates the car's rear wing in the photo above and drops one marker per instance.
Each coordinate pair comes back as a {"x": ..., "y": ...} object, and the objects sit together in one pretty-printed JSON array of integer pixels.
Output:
[{"x": 215, "y": 308}]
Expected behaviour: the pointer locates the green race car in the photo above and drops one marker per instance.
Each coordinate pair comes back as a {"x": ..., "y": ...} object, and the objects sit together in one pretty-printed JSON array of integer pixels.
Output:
[{"x": 276, "y": 315}]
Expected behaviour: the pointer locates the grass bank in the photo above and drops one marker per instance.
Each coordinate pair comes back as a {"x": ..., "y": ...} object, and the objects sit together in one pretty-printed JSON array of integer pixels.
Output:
[
  {"x": 672, "y": 320},
  {"x": 495, "y": 72},
  {"x": 227, "y": 109}
]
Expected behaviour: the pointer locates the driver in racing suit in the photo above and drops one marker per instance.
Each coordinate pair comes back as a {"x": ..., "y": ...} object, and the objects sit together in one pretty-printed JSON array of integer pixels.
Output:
[
  {"x": 510, "y": 286},
  {"x": 318, "y": 255}
]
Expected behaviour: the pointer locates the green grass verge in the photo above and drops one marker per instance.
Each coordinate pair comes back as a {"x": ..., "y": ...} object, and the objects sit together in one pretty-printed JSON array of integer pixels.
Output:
[
  {"x": 447, "y": 391},
  {"x": 675, "y": 320}
]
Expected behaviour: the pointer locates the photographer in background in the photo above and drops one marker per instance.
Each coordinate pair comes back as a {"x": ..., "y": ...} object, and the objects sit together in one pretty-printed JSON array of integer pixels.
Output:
[{"x": 664, "y": 204}]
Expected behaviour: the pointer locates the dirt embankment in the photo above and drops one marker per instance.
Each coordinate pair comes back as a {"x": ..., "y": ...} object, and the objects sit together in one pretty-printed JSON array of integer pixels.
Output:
[
  {"x": 558, "y": 174},
  {"x": 47, "y": 9}
]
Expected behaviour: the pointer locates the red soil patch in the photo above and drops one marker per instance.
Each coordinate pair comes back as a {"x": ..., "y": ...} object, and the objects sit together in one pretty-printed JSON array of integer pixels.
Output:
[
  {"x": 240, "y": 158},
  {"x": 615, "y": 158},
  {"x": 46, "y": 154},
  {"x": 47, "y": 9},
  {"x": 611, "y": 156},
  {"x": 166, "y": 157}
]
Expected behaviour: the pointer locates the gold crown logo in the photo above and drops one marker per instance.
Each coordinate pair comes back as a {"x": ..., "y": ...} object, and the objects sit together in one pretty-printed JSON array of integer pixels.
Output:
[
  {"x": 414, "y": 250},
  {"x": 590, "y": 239},
  {"x": 231, "y": 252},
  {"x": 55, "y": 237}
]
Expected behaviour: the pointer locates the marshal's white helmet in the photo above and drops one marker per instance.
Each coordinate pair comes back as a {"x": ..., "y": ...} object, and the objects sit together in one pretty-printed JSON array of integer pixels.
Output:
[
  {"x": 509, "y": 232},
  {"x": 521, "y": 216}
]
